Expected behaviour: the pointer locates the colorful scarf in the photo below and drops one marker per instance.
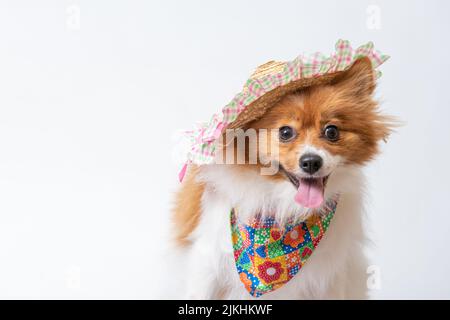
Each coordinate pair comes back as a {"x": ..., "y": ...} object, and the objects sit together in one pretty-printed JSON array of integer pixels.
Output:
[{"x": 267, "y": 255}]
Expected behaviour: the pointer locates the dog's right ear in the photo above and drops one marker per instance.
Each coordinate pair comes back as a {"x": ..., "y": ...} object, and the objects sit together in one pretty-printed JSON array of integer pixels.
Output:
[
  {"x": 359, "y": 80},
  {"x": 358, "y": 84}
]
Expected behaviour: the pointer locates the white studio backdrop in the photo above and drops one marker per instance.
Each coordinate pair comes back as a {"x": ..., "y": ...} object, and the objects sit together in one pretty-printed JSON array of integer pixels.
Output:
[{"x": 92, "y": 92}]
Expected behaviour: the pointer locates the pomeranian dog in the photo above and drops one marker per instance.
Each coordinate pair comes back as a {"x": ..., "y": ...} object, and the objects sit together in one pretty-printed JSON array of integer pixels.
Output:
[{"x": 325, "y": 134}]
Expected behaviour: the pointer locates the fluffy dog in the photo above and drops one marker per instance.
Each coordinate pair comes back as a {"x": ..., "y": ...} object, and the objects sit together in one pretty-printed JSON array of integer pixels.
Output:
[{"x": 325, "y": 134}]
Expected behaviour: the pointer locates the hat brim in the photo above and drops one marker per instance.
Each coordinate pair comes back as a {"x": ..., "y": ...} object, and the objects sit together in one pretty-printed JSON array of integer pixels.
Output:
[{"x": 259, "y": 107}]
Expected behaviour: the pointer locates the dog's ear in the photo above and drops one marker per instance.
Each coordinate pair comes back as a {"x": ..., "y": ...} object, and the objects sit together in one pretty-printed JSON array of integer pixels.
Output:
[{"x": 359, "y": 80}]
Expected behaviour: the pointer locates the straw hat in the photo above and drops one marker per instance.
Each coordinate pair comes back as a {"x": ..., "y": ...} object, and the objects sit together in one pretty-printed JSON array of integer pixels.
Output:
[
  {"x": 269, "y": 83},
  {"x": 256, "y": 109}
]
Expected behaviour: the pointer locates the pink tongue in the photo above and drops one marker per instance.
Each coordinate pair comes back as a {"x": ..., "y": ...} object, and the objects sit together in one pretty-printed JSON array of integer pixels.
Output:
[{"x": 310, "y": 193}]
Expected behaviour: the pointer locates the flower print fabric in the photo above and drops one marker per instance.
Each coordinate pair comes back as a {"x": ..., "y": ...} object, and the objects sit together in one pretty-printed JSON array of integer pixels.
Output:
[{"x": 268, "y": 255}]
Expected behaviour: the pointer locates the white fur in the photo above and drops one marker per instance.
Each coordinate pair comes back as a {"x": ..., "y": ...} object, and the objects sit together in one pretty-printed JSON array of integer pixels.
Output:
[{"x": 335, "y": 270}]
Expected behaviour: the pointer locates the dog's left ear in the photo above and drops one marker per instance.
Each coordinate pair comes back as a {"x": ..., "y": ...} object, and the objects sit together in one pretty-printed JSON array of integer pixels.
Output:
[
  {"x": 359, "y": 80},
  {"x": 358, "y": 84}
]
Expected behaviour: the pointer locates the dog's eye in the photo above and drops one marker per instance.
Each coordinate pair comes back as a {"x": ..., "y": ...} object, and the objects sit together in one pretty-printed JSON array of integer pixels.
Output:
[
  {"x": 286, "y": 133},
  {"x": 331, "y": 133}
]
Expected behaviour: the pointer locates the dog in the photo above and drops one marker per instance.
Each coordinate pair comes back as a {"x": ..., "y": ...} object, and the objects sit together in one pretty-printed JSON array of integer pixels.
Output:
[{"x": 325, "y": 133}]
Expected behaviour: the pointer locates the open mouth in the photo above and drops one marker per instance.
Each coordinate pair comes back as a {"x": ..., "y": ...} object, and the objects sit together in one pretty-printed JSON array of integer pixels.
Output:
[{"x": 310, "y": 190}]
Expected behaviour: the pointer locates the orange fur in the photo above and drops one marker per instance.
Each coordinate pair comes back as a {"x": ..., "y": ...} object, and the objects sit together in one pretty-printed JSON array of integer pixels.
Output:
[{"x": 187, "y": 209}]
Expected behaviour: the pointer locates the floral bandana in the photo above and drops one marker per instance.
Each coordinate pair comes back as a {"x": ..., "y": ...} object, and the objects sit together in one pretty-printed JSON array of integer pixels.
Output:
[{"x": 267, "y": 256}]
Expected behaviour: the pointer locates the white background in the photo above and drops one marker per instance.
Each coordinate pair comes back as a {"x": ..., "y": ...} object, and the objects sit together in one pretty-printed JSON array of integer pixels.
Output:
[{"x": 88, "y": 112}]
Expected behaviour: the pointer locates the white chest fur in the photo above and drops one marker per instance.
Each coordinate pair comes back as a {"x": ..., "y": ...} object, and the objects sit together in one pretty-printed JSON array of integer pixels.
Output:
[{"x": 335, "y": 270}]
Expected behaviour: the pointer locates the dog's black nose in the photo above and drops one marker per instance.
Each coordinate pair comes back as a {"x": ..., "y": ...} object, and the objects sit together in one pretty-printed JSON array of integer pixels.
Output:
[{"x": 310, "y": 163}]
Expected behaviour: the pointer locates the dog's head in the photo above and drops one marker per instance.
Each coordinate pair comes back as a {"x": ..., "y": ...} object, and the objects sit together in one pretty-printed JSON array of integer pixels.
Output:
[{"x": 323, "y": 128}]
